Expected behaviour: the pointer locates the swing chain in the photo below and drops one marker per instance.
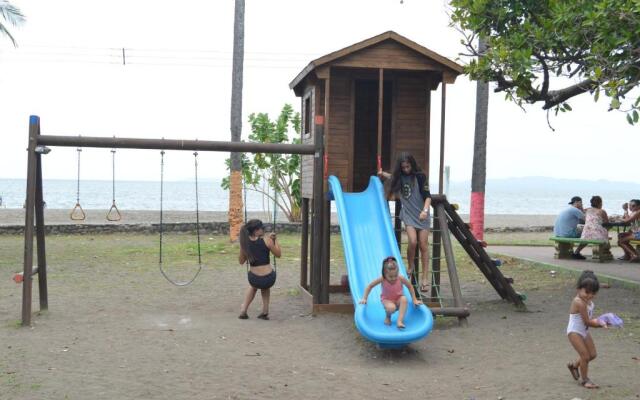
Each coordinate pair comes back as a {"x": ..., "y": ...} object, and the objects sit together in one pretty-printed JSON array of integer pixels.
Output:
[
  {"x": 195, "y": 155},
  {"x": 186, "y": 283},
  {"x": 79, "y": 150},
  {"x": 113, "y": 175},
  {"x": 161, "y": 197}
]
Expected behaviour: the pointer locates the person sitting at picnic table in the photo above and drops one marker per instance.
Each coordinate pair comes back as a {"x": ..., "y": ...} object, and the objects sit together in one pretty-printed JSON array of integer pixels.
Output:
[
  {"x": 566, "y": 224},
  {"x": 632, "y": 217},
  {"x": 593, "y": 229}
]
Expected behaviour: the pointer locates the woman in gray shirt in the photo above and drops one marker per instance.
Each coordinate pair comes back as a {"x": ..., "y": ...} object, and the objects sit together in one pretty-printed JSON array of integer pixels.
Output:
[{"x": 409, "y": 184}]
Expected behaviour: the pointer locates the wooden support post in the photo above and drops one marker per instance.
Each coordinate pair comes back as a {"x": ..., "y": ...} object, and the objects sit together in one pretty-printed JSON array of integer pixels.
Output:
[
  {"x": 380, "y": 111},
  {"x": 442, "y": 124},
  {"x": 34, "y": 127},
  {"x": 42, "y": 254},
  {"x": 304, "y": 245},
  {"x": 318, "y": 202},
  {"x": 326, "y": 266},
  {"x": 451, "y": 261}
]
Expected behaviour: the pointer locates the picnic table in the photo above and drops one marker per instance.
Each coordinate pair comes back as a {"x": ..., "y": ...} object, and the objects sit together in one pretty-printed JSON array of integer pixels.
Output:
[{"x": 617, "y": 225}]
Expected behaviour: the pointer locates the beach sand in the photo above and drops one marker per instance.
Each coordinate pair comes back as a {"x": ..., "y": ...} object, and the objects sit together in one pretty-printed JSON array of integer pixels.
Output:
[
  {"x": 115, "y": 329},
  {"x": 12, "y": 216}
]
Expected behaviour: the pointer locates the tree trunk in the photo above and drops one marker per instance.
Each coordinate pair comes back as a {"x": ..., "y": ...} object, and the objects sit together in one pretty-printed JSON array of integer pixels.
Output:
[
  {"x": 235, "y": 180},
  {"x": 479, "y": 172}
]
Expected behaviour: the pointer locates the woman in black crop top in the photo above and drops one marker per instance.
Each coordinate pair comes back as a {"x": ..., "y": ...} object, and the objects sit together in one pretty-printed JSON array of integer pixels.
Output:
[{"x": 256, "y": 250}]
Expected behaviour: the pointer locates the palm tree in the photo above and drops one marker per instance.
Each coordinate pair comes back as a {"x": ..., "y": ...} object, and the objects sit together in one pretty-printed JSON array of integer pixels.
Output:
[
  {"x": 12, "y": 15},
  {"x": 479, "y": 172},
  {"x": 235, "y": 180}
]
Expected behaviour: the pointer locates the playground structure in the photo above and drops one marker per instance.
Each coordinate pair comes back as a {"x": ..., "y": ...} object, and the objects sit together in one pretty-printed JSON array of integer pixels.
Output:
[
  {"x": 373, "y": 99},
  {"x": 338, "y": 118}
]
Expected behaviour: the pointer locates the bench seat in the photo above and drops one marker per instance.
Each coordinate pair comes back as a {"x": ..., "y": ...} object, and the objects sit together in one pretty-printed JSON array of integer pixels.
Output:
[{"x": 601, "y": 249}]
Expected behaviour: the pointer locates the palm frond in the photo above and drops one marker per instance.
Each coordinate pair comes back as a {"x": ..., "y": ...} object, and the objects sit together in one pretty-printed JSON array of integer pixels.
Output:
[
  {"x": 11, "y": 13},
  {"x": 4, "y": 31}
]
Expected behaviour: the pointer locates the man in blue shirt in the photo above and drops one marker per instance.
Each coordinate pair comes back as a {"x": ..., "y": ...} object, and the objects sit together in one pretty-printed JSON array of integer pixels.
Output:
[{"x": 566, "y": 224}]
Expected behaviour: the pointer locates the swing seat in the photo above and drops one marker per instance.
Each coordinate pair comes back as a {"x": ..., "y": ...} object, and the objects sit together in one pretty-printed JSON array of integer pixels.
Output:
[
  {"x": 114, "y": 214},
  {"x": 77, "y": 214}
]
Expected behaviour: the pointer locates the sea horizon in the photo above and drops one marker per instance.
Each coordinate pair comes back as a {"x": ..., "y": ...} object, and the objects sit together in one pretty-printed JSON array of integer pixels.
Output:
[{"x": 505, "y": 196}]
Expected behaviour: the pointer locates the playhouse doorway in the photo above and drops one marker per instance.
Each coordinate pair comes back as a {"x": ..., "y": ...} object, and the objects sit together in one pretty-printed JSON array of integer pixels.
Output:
[{"x": 365, "y": 142}]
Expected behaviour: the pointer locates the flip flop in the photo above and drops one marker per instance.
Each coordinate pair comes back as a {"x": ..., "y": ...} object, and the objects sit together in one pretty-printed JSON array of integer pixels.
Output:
[
  {"x": 587, "y": 384},
  {"x": 623, "y": 258},
  {"x": 401, "y": 326},
  {"x": 243, "y": 316},
  {"x": 575, "y": 372},
  {"x": 264, "y": 316},
  {"x": 424, "y": 288}
]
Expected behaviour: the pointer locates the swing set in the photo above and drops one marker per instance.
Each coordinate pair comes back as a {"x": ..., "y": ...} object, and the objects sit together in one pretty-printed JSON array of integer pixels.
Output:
[{"x": 34, "y": 218}]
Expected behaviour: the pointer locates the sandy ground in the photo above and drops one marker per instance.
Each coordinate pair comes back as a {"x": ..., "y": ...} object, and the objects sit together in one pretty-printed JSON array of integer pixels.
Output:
[
  {"x": 119, "y": 331},
  {"x": 10, "y": 216}
]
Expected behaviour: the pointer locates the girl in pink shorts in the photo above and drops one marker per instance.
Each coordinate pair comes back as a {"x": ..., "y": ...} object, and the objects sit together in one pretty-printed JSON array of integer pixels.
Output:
[{"x": 392, "y": 297}]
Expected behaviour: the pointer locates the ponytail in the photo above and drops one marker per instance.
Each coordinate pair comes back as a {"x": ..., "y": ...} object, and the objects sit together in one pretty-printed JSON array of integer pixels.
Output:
[{"x": 245, "y": 231}]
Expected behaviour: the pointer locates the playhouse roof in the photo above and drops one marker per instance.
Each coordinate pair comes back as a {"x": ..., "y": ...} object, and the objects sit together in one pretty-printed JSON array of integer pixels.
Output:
[{"x": 442, "y": 62}]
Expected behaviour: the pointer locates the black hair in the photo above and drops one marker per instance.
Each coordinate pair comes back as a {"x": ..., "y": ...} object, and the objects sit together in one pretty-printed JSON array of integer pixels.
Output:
[
  {"x": 247, "y": 230},
  {"x": 388, "y": 263},
  {"x": 635, "y": 201},
  {"x": 589, "y": 282},
  {"x": 396, "y": 181},
  {"x": 596, "y": 201}
]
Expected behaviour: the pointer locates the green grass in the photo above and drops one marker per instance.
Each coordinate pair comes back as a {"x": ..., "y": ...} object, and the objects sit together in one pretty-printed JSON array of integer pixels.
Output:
[{"x": 518, "y": 238}]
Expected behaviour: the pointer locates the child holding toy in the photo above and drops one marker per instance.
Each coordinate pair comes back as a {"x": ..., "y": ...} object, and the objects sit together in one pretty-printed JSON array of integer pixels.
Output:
[
  {"x": 580, "y": 320},
  {"x": 392, "y": 297}
]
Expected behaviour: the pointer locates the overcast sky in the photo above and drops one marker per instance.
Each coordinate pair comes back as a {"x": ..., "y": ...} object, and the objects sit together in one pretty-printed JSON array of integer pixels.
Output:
[{"x": 176, "y": 84}]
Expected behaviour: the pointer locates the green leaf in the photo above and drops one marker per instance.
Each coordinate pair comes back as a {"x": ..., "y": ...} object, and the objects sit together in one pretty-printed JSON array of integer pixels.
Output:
[
  {"x": 615, "y": 103},
  {"x": 629, "y": 119}
]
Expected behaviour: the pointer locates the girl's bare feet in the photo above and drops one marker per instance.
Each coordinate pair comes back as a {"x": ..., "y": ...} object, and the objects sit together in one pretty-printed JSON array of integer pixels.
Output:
[
  {"x": 401, "y": 325},
  {"x": 387, "y": 321}
]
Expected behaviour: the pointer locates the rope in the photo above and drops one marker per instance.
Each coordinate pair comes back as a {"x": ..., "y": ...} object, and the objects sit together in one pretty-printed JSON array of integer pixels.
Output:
[{"x": 186, "y": 283}]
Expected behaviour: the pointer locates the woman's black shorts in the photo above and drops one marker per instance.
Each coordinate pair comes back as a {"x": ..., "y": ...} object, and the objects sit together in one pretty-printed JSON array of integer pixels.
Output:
[{"x": 262, "y": 282}]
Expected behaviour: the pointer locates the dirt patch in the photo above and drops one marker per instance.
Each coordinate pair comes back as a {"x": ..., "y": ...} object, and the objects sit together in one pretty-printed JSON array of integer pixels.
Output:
[{"x": 117, "y": 330}]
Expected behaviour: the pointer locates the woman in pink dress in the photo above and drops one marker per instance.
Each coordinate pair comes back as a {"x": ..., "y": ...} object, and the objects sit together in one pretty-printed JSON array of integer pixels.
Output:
[{"x": 594, "y": 218}]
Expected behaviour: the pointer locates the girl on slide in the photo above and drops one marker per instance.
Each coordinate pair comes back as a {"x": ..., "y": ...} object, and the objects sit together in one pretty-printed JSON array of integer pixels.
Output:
[
  {"x": 409, "y": 184},
  {"x": 255, "y": 249},
  {"x": 392, "y": 298}
]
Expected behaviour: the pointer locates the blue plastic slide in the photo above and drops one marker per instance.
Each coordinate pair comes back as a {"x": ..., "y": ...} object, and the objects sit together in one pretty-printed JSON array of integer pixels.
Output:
[{"x": 367, "y": 238}]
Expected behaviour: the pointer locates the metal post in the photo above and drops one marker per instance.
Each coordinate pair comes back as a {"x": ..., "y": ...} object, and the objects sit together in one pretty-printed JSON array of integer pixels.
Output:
[{"x": 34, "y": 127}]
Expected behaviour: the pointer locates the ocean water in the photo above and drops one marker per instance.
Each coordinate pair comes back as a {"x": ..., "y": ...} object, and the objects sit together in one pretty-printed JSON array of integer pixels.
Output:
[{"x": 528, "y": 196}]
